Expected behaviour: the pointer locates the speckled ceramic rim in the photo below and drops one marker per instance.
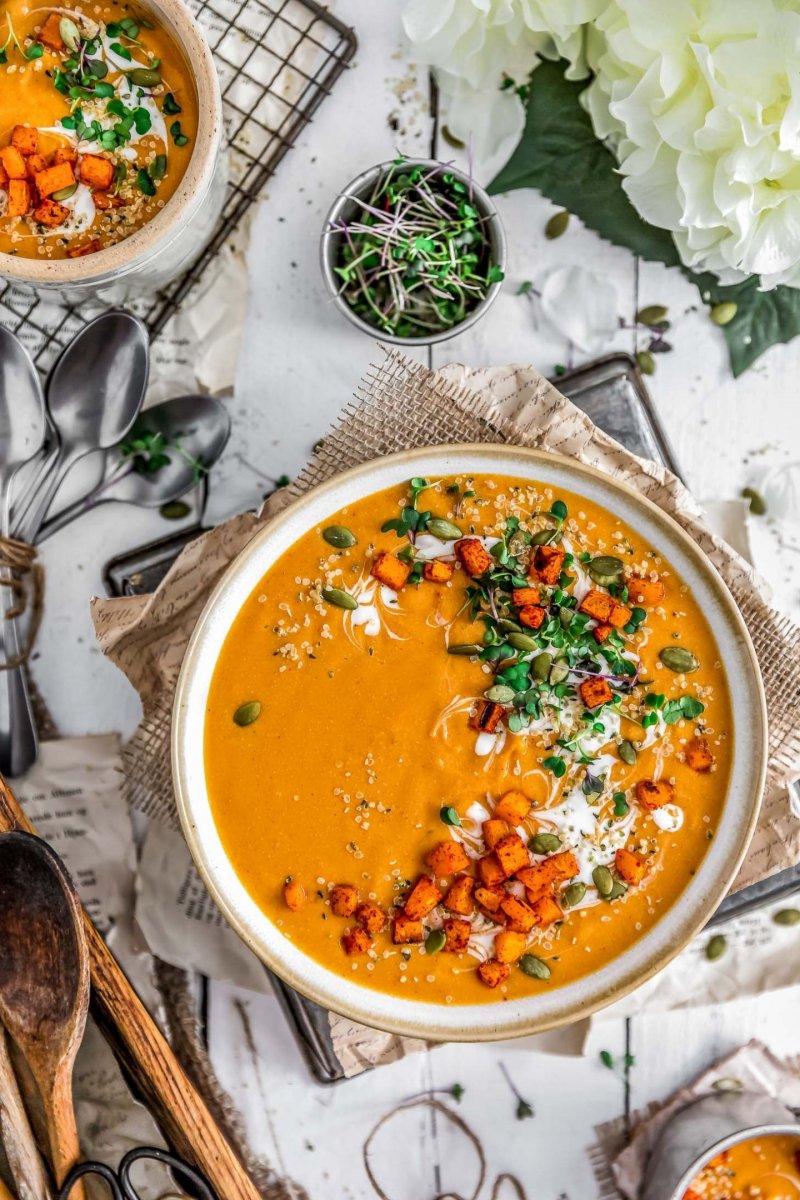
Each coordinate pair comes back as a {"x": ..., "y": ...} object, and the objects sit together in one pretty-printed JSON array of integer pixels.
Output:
[
  {"x": 118, "y": 260},
  {"x": 726, "y": 1143},
  {"x": 364, "y": 183},
  {"x": 557, "y": 1006}
]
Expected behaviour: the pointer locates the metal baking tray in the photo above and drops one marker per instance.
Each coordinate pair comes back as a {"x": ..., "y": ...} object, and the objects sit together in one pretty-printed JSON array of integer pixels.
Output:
[{"x": 612, "y": 392}]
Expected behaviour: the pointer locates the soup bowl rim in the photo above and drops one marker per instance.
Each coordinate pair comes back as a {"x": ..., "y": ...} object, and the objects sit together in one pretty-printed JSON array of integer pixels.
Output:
[{"x": 547, "y": 1009}]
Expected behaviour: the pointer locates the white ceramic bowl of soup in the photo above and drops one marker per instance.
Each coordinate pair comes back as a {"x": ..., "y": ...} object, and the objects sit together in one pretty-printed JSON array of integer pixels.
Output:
[
  {"x": 643, "y": 958},
  {"x": 167, "y": 244}
]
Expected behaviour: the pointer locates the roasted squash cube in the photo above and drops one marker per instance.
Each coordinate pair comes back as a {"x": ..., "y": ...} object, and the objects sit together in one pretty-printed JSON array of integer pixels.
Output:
[
  {"x": 459, "y": 898},
  {"x": 620, "y": 615},
  {"x": 513, "y": 807},
  {"x": 473, "y": 556},
  {"x": 51, "y": 214},
  {"x": 50, "y": 33},
  {"x": 493, "y": 973},
  {"x": 405, "y": 930},
  {"x": 599, "y": 605},
  {"x": 422, "y": 899},
  {"x": 438, "y": 571},
  {"x": 512, "y": 854},
  {"x": 522, "y": 597},
  {"x": 91, "y": 247},
  {"x": 652, "y": 794},
  {"x": 97, "y": 172},
  {"x": 532, "y": 617},
  {"x": 564, "y": 865},
  {"x": 546, "y": 911},
  {"x": 647, "y": 592},
  {"x": 3, "y": 176},
  {"x": 391, "y": 571},
  {"x": 547, "y": 563},
  {"x": 493, "y": 830},
  {"x": 539, "y": 878},
  {"x": 602, "y": 633},
  {"x": 26, "y": 139},
  {"x": 65, "y": 154},
  {"x": 490, "y": 898},
  {"x": 698, "y": 755},
  {"x": 19, "y": 197},
  {"x": 520, "y": 915},
  {"x": 36, "y": 163},
  {"x": 53, "y": 179},
  {"x": 371, "y": 917},
  {"x": 356, "y": 941},
  {"x": 489, "y": 870},
  {"x": 344, "y": 899},
  {"x": 14, "y": 164},
  {"x": 509, "y": 945},
  {"x": 294, "y": 894},
  {"x": 457, "y": 934},
  {"x": 487, "y": 716},
  {"x": 630, "y": 866},
  {"x": 447, "y": 858},
  {"x": 595, "y": 692}
]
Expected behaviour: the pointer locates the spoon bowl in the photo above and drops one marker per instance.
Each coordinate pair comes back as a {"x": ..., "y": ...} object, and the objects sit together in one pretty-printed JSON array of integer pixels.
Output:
[{"x": 22, "y": 415}]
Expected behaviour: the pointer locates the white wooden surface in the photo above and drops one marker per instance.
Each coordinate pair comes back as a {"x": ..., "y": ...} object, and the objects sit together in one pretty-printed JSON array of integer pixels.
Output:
[{"x": 300, "y": 362}]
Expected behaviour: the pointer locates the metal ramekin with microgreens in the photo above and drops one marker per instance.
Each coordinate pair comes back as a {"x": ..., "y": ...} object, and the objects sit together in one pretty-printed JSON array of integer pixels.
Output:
[{"x": 414, "y": 250}]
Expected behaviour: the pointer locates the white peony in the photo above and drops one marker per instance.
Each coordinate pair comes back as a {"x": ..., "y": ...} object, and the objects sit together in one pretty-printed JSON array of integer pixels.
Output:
[
  {"x": 701, "y": 102},
  {"x": 475, "y": 44}
]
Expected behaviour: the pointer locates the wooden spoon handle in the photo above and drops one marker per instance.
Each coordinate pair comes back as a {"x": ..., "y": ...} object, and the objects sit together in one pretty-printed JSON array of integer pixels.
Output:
[
  {"x": 145, "y": 1055},
  {"x": 62, "y": 1132},
  {"x": 19, "y": 1143},
  {"x": 5, "y": 1194}
]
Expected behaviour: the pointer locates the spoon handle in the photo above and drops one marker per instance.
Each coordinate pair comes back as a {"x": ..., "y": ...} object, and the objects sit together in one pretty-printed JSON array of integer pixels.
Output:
[
  {"x": 16, "y": 1136},
  {"x": 147, "y": 1058},
  {"x": 62, "y": 1132}
]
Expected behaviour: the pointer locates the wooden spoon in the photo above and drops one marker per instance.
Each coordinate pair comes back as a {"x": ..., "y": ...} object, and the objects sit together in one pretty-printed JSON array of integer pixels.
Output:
[
  {"x": 19, "y": 1143},
  {"x": 44, "y": 981}
]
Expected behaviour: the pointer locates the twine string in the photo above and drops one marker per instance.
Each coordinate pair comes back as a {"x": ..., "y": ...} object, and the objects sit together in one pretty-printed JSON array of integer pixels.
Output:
[{"x": 18, "y": 569}]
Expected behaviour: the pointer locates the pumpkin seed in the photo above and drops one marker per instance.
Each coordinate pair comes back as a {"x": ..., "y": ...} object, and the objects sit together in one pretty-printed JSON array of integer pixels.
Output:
[
  {"x": 340, "y": 598},
  {"x": 557, "y": 225},
  {"x": 645, "y": 362},
  {"x": 716, "y": 947},
  {"x": 728, "y": 1083},
  {"x": 627, "y": 752},
  {"x": 604, "y": 567},
  {"x": 787, "y": 916},
  {"x": 574, "y": 894},
  {"x": 606, "y": 581},
  {"x": 559, "y": 672},
  {"x": 339, "y": 536},
  {"x": 500, "y": 694},
  {"x": 537, "y": 968},
  {"x": 651, "y": 314},
  {"x": 518, "y": 544},
  {"x": 449, "y": 815},
  {"x": 723, "y": 314},
  {"x": 603, "y": 881},
  {"x": 65, "y": 192},
  {"x": 618, "y": 890},
  {"x": 522, "y": 641},
  {"x": 758, "y": 505},
  {"x": 545, "y": 843},
  {"x": 175, "y": 510},
  {"x": 506, "y": 626},
  {"x": 540, "y": 666},
  {"x": 565, "y": 616},
  {"x": 678, "y": 659},
  {"x": 435, "y": 941},
  {"x": 545, "y": 536},
  {"x": 247, "y": 713},
  {"x": 70, "y": 34},
  {"x": 467, "y": 649},
  {"x": 144, "y": 77},
  {"x": 444, "y": 530}
]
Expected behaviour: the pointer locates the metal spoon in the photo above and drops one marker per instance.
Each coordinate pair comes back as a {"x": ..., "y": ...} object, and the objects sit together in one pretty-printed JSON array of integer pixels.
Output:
[
  {"x": 44, "y": 981},
  {"x": 195, "y": 431},
  {"x": 22, "y": 432}
]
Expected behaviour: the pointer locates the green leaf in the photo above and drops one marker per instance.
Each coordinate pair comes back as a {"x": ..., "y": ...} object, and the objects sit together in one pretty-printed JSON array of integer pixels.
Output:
[
  {"x": 560, "y": 155},
  {"x": 763, "y": 319}
]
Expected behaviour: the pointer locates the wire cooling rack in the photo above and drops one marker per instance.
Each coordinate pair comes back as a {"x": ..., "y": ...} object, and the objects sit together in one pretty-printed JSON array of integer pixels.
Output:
[{"x": 277, "y": 60}]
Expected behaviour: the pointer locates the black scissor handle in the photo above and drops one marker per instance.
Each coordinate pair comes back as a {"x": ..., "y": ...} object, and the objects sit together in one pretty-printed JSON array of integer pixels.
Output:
[
  {"x": 179, "y": 1168},
  {"x": 91, "y": 1168}
]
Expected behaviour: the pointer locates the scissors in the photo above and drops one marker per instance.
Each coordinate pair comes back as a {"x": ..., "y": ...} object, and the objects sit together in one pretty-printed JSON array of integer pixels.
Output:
[{"x": 119, "y": 1182}]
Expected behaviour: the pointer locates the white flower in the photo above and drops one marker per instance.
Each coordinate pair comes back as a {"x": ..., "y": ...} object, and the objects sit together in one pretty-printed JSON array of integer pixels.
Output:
[
  {"x": 475, "y": 44},
  {"x": 581, "y": 307},
  {"x": 701, "y": 102}
]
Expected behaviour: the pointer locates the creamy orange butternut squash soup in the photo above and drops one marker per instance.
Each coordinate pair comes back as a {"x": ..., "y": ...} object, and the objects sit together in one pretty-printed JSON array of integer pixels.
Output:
[
  {"x": 763, "y": 1167},
  {"x": 98, "y": 115},
  {"x": 468, "y": 739}
]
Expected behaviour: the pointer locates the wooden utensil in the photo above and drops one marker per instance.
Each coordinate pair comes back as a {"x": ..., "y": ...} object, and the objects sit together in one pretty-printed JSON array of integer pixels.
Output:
[
  {"x": 146, "y": 1057},
  {"x": 16, "y": 1136},
  {"x": 44, "y": 980}
]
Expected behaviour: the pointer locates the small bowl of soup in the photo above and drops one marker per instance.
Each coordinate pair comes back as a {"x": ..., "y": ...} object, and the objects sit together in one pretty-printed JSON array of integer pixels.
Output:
[
  {"x": 469, "y": 742},
  {"x": 111, "y": 175}
]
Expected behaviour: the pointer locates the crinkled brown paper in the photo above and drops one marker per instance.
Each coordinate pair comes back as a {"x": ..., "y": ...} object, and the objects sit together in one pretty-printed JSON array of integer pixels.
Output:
[{"x": 400, "y": 405}]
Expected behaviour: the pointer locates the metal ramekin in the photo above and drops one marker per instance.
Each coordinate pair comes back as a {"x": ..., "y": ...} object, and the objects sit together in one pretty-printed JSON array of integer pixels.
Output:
[
  {"x": 702, "y": 1130},
  {"x": 345, "y": 207}
]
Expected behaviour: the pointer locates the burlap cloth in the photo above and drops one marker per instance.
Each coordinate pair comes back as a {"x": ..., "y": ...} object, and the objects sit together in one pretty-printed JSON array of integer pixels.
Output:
[{"x": 401, "y": 405}]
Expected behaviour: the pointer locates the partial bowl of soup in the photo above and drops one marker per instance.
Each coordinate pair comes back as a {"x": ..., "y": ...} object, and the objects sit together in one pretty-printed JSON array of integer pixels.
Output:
[
  {"x": 469, "y": 742},
  {"x": 111, "y": 174}
]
